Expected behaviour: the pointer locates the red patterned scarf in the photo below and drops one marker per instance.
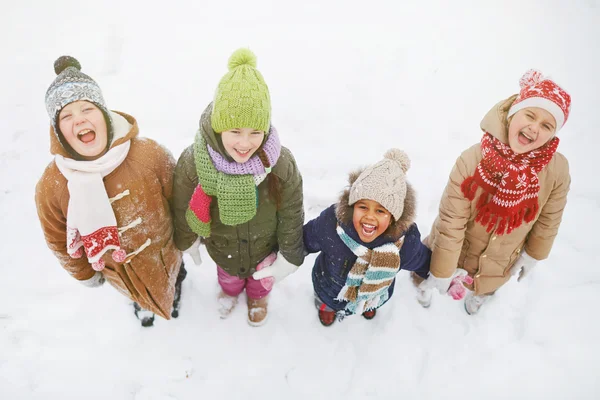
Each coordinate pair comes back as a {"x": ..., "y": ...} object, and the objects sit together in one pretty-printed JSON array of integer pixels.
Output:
[{"x": 509, "y": 182}]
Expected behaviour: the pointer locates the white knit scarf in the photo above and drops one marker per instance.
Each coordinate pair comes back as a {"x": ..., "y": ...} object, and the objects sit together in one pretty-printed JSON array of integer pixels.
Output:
[{"x": 91, "y": 222}]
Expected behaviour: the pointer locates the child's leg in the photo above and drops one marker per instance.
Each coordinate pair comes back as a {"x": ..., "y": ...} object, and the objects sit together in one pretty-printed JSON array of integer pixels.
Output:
[
  {"x": 231, "y": 285},
  {"x": 257, "y": 301},
  {"x": 177, "y": 299}
]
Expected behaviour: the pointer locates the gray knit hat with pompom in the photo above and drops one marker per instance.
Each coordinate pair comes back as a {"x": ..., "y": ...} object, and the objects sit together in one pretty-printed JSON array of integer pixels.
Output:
[
  {"x": 71, "y": 85},
  {"x": 384, "y": 182}
]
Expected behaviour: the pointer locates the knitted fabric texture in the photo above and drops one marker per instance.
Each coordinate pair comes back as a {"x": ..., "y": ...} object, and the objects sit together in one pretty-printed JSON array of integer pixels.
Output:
[
  {"x": 539, "y": 91},
  {"x": 91, "y": 222},
  {"x": 236, "y": 192},
  {"x": 510, "y": 184},
  {"x": 69, "y": 86},
  {"x": 242, "y": 97},
  {"x": 254, "y": 166},
  {"x": 384, "y": 182},
  {"x": 371, "y": 275}
]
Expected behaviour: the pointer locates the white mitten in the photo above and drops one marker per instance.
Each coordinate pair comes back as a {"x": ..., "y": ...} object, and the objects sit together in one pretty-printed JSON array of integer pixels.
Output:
[
  {"x": 433, "y": 282},
  {"x": 278, "y": 270},
  {"x": 524, "y": 264},
  {"x": 95, "y": 281},
  {"x": 194, "y": 252}
]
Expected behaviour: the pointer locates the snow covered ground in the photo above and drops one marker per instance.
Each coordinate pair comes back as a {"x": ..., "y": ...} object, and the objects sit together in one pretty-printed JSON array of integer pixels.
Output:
[{"x": 348, "y": 80}]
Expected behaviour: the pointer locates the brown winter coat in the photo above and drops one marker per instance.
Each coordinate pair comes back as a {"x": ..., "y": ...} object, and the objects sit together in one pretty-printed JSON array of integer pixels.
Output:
[
  {"x": 149, "y": 277},
  {"x": 457, "y": 241}
]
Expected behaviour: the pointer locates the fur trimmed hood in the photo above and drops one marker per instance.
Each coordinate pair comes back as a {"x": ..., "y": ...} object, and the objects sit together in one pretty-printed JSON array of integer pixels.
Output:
[{"x": 344, "y": 211}]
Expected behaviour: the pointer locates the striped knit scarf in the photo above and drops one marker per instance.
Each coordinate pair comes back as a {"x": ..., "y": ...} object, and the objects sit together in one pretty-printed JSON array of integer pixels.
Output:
[
  {"x": 233, "y": 184},
  {"x": 510, "y": 184},
  {"x": 371, "y": 275}
]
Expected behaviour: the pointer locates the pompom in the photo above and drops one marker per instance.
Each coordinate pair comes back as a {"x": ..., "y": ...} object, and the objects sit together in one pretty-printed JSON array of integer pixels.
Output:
[
  {"x": 119, "y": 255},
  {"x": 399, "y": 156},
  {"x": 531, "y": 78},
  {"x": 78, "y": 253},
  {"x": 65, "y": 62},
  {"x": 241, "y": 57},
  {"x": 98, "y": 265}
]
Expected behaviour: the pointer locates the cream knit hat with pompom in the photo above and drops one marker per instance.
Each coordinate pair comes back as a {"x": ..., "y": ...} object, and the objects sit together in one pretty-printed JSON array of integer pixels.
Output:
[{"x": 384, "y": 182}]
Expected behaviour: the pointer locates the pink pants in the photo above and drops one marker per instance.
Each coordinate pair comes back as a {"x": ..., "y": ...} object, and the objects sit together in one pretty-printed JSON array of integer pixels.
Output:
[{"x": 233, "y": 286}]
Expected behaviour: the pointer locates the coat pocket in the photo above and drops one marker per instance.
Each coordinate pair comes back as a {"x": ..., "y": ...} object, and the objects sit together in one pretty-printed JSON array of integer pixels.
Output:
[{"x": 513, "y": 258}]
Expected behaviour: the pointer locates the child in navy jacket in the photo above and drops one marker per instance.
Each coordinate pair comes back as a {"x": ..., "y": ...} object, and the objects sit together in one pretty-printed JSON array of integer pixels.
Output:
[{"x": 364, "y": 240}]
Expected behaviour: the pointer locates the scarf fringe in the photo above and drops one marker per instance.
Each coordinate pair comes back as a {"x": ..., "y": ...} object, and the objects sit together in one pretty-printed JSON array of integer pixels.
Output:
[{"x": 488, "y": 215}]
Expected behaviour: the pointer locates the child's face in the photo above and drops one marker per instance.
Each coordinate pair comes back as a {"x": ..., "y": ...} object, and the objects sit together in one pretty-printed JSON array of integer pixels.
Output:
[
  {"x": 84, "y": 128},
  {"x": 370, "y": 219},
  {"x": 242, "y": 143},
  {"x": 530, "y": 128}
]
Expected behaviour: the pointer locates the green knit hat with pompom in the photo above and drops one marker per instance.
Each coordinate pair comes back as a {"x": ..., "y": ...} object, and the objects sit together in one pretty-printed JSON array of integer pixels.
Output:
[{"x": 242, "y": 98}]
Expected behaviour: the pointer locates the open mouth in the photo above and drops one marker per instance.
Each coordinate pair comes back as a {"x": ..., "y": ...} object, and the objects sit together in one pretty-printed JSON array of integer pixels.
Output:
[
  {"x": 242, "y": 153},
  {"x": 524, "y": 138},
  {"x": 86, "y": 136},
  {"x": 368, "y": 230}
]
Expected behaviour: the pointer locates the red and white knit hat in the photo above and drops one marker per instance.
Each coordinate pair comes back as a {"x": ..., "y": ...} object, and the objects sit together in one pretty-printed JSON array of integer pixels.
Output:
[{"x": 538, "y": 91}]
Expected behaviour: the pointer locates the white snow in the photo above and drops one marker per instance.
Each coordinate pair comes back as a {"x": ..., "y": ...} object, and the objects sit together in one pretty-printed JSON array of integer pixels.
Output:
[{"x": 348, "y": 80}]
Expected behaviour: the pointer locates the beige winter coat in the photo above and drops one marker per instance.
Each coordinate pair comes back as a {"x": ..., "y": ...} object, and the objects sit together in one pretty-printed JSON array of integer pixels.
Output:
[
  {"x": 457, "y": 241},
  {"x": 145, "y": 179}
]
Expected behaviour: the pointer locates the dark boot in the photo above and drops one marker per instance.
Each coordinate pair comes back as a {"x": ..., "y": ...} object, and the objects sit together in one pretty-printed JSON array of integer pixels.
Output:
[
  {"x": 177, "y": 299},
  {"x": 147, "y": 317},
  {"x": 370, "y": 314}
]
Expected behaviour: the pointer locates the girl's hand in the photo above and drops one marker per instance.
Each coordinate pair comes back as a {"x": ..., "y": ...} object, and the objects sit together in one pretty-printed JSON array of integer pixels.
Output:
[
  {"x": 525, "y": 264},
  {"x": 194, "y": 252},
  {"x": 278, "y": 270}
]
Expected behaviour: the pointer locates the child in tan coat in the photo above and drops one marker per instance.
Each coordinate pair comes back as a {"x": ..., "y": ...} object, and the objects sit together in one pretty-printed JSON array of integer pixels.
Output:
[{"x": 504, "y": 201}]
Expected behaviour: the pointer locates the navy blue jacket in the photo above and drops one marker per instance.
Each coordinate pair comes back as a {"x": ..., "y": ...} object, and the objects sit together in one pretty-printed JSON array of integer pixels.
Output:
[{"x": 336, "y": 259}]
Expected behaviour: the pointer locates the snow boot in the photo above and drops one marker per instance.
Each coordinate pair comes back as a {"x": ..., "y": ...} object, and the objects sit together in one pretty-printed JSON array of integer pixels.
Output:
[
  {"x": 226, "y": 304},
  {"x": 147, "y": 317},
  {"x": 327, "y": 318},
  {"x": 257, "y": 311},
  {"x": 473, "y": 303},
  {"x": 370, "y": 314}
]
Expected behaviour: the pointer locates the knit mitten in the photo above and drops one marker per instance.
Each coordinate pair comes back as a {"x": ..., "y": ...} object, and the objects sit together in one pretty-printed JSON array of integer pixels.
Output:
[
  {"x": 524, "y": 265},
  {"x": 433, "y": 282},
  {"x": 194, "y": 252},
  {"x": 278, "y": 270},
  {"x": 457, "y": 290},
  {"x": 267, "y": 282}
]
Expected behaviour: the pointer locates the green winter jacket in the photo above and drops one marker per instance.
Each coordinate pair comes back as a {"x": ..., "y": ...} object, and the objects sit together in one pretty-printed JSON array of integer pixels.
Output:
[{"x": 239, "y": 248}]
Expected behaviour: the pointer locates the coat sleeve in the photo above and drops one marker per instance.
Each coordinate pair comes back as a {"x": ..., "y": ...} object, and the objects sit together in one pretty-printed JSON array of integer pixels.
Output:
[
  {"x": 313, "y": 232},
  {"x": 541, "y": 237},
  {"x": 185, "y": 181},
  {"x": 54, "y": 225},
  {"x": 290, "y": 216},
  {"x": 414, "y": 255},
  {"x": 451, "y": 223}
]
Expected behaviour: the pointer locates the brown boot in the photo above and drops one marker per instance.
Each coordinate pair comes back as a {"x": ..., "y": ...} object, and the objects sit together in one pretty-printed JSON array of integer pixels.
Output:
[{"x": 257, "y": 311}]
